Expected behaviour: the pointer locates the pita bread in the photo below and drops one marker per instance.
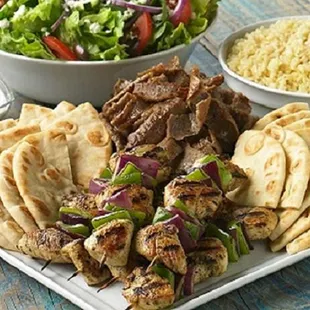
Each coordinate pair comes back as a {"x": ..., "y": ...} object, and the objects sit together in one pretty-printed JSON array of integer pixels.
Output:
[
  {"x": 263, "y": 160},
  {"x": 304, "y": 134},
  {"x": 9, "y": 230},
  {"x": 12, "y": 135},
  {"x": 63, "y": 108},
  {"x": 301, "y": 243},
  {"x": 276, "y": 114},
  {"x": 12, "y": 200},
  {"x": 288, "y": 216},
  {"x": 7, "y": 123},
  {"x": 289, "y": 119},
  {"x": 42, "y": 174},
  {"x": 298, "y": 228},
  {"x": 88, "y": 140},
  {"x": 297, "y": 166},
  {"x": 299, "y": 125},
  {"x": 33, "y": 114}
]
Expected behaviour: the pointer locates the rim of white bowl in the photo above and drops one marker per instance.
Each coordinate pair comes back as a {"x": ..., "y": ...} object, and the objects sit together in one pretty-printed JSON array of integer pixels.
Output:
[
  {"x": 107, "y": 62},
  {"x": 240, "y": 33}
]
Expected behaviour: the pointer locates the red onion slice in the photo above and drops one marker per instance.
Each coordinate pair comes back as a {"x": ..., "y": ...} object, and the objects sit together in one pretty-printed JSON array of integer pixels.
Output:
[
  {"x": 73, "y": 219},
  {"x": 137, "y": 7},
  {"x": 120, "y": 199},
  {"x": 185, "y": 238},
  {"x": 189, "y": 281},
  {"x": 175, "y": 17},
  {"x": 212, "y": 170},
  {"x": 146, "y": 165},
  {"x": 97, "y": 185}
]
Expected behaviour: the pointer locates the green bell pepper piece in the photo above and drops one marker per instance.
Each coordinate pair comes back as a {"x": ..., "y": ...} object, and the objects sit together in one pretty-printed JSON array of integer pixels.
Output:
[
  {"x": 244, "y": 247},
  {"x": 104, "y": 219},
  {"x": 179, "y": 204},
  {"x": 197, "y": 175},
  {"x": 161, "y": 215},
  {"x": 164, "y": 273},
  {"x": 72, "y": 210},
  {"x": 193, "y": 229},
  {"x": 133, "y": 178},
  {"x": 75, "y": 229},
  {"x": 106, "y": 174},
  {"x": 138, "y": 217},
  {"x": 227, "y": 240}
]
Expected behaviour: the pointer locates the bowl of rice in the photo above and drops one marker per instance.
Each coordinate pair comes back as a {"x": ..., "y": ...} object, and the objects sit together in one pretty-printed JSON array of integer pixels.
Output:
[{"x": 269, "y": 61}]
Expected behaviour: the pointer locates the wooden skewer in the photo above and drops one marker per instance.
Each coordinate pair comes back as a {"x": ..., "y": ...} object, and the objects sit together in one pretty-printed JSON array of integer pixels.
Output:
[
  {"x": 107, "y": 283},
  {"x": 148, "y": 269},
  {"x": 46, "y": 264},
  {"x": 102, "y": 261},
  {"x": 74, "y": 275}
]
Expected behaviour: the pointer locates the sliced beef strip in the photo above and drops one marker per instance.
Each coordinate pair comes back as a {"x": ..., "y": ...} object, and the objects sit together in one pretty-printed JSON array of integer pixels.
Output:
[
  {"x": 153, "y": 129},
  {"x": 152, "y": 92},
  {"x": 222, "y": 125},
  {"x": 180, "y": 78},
  {"x": 120, "y": 85},
  {"x": 186, "y": 125}
]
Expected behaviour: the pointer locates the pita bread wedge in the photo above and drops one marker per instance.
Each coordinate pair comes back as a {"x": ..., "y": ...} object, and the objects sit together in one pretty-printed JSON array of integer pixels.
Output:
[
  {"x": 288, "y": 216},
  {"x": 263, "y": 159},
  {"x": 298, "y": 228},
  {"x": 42, "y": 174},
  {"x": 297, "y": 166},
  {"x": 12, "y": 135},
  {"x": 276, "y": 114},
  {"x": 63, "y": 108},
  {"x": 33, "y": 114},
  {"x": 290, "y": 119},
  {"x": 9, "y": 230},
  {"x": 7, "y": 123},
  {"x": 9, "y": 194},
  {"x": 299, "y": 125},
  {"x": 301, "y": 243},
  {"x": 88, "y": 140}
]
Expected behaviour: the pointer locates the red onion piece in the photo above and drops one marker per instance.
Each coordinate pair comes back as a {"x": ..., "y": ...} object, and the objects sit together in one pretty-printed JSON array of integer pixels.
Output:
[
  {"x": 60, "y": 19},
  {"x": 81, "y": 52},
  {"x": 212, "y": 170},
  {"x": 189, "y": 281},
  {"x": 137, "y": 7},
  {"x": 146, "y": 165},
  {"x": 185, "y": 238},
  {"x": 97, "y": 185},
  {"x": 73, "y": 219},
  {"x": 120, "y": 199},
  {"x": 176, "y": 15},
  {"x": 148, "y": 181}
]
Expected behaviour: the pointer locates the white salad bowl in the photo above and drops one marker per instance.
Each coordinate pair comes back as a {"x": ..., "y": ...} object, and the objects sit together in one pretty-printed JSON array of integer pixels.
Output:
[
  {"x": 51, "y": 81},
  {"x": 267, "y": 96}
]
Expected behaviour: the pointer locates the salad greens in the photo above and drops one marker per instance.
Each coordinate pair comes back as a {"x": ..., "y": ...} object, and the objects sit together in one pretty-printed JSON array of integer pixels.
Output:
[{"x": 103, "y": 29}]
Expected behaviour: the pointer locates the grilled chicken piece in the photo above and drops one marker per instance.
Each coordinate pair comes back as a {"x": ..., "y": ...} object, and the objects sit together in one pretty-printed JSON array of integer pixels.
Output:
[
  {"x": 84, "y": 202},
  {"x": 88, "y": 267},
  {"x": 147, "y": 290},
  {"x": 111, "y": 243},
  {"x": 161, "y": 241},
  {"x": 200, "y": 199},
  {"x": 141, "y": 198},
  {"x": 210, "y": 259},
  {"x": 45, "y": 244},
  {"x": 258, "y": 222},
  {"x": 239, "y": 178}
]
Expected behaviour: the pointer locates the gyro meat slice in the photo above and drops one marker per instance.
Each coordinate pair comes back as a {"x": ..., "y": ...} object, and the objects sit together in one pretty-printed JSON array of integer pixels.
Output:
[
  {"x": 201, "y": 199},
  {"x": 88, "y": 267},
  {"x": 161, "y": 242},
  {"x": 146, "y": 290},
  {"x": 136, "y": 198},
  {"x": 111, "y": 242},
  {"x": 210, "y": 259},
  {"x": 45, "y": 244}
]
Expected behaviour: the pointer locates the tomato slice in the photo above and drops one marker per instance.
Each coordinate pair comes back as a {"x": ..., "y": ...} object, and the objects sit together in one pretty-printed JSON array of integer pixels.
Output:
[
  {"x": 182, "y": 13},
  {"x": 144, "y": 28},
  {"x": 60, "y": 49}
]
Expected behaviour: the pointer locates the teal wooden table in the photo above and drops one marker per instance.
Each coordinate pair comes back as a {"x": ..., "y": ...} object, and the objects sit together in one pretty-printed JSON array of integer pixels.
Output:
[{"x": 286, "y": 289}]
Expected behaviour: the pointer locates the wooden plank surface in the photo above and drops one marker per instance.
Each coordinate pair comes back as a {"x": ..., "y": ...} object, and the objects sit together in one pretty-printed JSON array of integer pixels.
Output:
[{"x": 287, "y": 289}]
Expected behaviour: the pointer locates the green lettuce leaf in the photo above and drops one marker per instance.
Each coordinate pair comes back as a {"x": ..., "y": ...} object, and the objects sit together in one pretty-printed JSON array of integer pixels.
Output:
[
  {"x": 8, "y": 10},
  {"x": 42, "y": 15},
  {"x": 27, "y": 44}
]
